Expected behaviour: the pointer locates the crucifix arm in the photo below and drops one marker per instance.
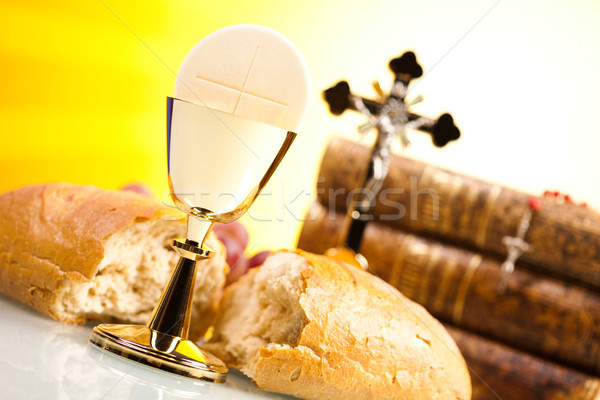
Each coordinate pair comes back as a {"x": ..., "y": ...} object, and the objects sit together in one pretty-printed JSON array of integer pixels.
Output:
[
  {"x": 339, "y": 98},
  {"x": 367, "y": 107},
  {"x": 373, "y": 106},
  {"x": 441, "y": 130}
]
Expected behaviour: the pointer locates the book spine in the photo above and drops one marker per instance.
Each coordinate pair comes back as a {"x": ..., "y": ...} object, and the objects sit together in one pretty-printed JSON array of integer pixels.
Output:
[
  {"x": 543, "y": 315},
  {"x": 420, "y": 198},
  {"x": 501, "y": 372}
]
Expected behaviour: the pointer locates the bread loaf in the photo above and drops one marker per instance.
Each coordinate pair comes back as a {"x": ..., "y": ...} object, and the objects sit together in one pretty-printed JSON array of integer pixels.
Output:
[
  {"x": 80, "y": 252},
  {"x": 317, "y": 328}
]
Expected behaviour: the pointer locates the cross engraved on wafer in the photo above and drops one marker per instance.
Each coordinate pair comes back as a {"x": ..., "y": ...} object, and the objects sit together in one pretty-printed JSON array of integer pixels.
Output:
[{"x": 243, "y": 89}]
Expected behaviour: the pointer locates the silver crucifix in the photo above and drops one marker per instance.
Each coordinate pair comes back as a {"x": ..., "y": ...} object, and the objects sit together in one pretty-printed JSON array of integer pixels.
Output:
[{"x": 390, "y": 117}]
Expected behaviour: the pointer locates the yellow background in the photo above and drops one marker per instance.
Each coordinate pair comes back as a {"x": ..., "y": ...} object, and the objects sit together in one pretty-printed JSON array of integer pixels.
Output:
[{"x": 83, "y": 87}]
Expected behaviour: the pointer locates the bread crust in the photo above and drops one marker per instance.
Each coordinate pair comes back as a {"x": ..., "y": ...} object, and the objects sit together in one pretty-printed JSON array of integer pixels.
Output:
[
  {"x": 56, "y": 231},
  {"x": 363, "y": 340}
]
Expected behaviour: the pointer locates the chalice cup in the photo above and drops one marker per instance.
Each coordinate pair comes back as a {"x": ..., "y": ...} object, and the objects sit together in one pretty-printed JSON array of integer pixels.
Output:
[{"x": 218, "y": 164}]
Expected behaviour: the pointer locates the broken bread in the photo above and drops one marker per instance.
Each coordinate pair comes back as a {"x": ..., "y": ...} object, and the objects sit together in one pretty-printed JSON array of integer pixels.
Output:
[
  {"x": 80, "y": 252},
  {"x": 316, "y": 328}
]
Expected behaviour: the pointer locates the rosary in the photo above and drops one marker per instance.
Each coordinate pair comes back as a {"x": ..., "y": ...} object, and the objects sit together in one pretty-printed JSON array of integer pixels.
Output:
[{"x": 516, "y": 246}]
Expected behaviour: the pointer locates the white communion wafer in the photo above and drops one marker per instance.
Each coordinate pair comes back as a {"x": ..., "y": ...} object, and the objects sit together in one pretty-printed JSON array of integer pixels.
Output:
[{"x": 249, "y": 71}]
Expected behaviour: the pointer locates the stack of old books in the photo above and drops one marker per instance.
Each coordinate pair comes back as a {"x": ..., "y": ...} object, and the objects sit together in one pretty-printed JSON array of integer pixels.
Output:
[{"x": 439, "y": 237}]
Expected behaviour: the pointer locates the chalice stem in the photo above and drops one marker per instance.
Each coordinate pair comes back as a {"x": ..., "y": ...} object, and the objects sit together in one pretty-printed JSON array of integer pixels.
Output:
[{"x": 173, "y": 311}]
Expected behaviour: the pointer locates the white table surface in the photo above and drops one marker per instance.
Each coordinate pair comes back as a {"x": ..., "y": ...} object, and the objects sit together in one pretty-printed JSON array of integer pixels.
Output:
[{"x": 43, "y": 359}]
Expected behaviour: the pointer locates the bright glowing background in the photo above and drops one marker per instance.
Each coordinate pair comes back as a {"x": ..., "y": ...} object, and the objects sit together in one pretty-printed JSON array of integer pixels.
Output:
[{"x": 83, "y": 87}]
